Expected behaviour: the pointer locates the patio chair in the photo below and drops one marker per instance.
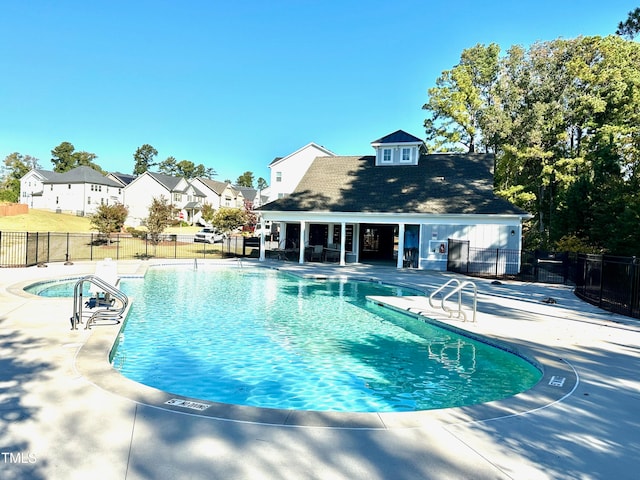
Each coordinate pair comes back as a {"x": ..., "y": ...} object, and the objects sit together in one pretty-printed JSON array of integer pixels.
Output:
[{"x": 316, "y": 253}]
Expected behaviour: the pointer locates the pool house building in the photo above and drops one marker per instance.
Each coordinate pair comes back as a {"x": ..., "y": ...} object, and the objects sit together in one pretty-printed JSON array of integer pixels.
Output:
[{"x": 399, "y": 206}]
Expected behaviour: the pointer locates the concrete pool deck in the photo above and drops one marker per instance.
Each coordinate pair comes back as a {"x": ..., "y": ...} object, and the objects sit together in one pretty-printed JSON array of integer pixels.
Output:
[{"x": 65, "y": 414}]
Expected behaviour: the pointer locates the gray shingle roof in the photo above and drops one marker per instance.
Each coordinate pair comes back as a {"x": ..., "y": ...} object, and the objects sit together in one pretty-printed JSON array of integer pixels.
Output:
[
  {"x": 48, "y": 174},
  {"x": 439, "y": 184},
  {"x": 248, "y": 193},
  {"x": 399, "y": 136},
  {"x": 125, "y": 178},
  {"x": 214, "y": 185},
  {"x": 169, "y": 182},
  {"x": 82, "y": 174}
]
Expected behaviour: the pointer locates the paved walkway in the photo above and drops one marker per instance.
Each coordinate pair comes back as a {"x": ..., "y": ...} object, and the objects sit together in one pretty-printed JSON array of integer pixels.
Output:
[{"x": 64, "y": 414}]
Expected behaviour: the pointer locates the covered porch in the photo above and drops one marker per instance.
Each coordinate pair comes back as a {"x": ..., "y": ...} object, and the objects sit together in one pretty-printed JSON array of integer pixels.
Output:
[
  {"x": 409, "y": 241},
  {"x": 344, "y": 241}
]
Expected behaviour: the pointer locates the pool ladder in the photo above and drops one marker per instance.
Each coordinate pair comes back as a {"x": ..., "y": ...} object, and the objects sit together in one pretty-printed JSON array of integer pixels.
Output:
[
  {"x": 456, "y": 287},
  {"x": 104, "y": 309}
]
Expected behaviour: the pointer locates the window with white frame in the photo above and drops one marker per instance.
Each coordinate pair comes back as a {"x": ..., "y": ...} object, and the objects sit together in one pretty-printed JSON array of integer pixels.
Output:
[
  {"x": 278, "y": 176},
  {"x": 406, "y": 155},
  {"x": 386, "y": 155}
]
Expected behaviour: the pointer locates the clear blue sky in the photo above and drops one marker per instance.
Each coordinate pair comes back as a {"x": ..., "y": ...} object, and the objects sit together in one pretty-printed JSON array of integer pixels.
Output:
[{"x": 234, "y": 84}]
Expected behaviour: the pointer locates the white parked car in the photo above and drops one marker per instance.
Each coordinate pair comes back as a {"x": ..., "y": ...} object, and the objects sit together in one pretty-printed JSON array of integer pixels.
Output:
[{"x": 209, "y": 235}]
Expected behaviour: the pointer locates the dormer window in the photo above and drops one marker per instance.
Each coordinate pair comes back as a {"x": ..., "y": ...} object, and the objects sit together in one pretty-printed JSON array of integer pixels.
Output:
[{"x": 397, "y": 148}]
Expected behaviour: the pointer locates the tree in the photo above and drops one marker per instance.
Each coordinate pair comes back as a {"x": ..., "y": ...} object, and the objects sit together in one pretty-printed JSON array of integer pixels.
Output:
[
  {"x": 208, "y": 212},
  {"x": 557, "y": 115},
  {"x": 631, "y": 26},
  {"x": 161, "y": 214},
  {"x": 457, "y": 101},
  {"x": 144, "y": 159},
  {"x": 109, "y": 219},
  {"x": 185, "y": 169},
  {"x": 245, "y": 180},
  {"x": 65, "y": 158},
  {"x": 15, "y": 167},
  {"x": 229, "y": 219},
  {"x": 169, "y": 166},
  {"x": 262, "y": 183}
]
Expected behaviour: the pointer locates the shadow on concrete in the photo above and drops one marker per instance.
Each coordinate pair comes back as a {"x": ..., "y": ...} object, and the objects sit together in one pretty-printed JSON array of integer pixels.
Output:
[{"x": 18, "y": 457}]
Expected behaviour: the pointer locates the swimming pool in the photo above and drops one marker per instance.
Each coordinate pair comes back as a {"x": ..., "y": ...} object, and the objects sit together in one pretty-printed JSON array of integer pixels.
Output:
[{"x": 261, "y": 338}]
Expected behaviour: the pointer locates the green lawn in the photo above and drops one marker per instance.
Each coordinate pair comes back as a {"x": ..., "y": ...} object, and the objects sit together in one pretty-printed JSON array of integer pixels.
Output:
[{"x": 46, "y": 221}]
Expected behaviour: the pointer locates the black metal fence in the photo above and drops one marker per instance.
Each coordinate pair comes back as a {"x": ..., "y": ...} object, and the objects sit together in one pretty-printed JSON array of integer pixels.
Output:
[
  {"x": 534, "y": 266},
  {"x": 23, "y": 249},
  {"x": 610, "y": 282}
]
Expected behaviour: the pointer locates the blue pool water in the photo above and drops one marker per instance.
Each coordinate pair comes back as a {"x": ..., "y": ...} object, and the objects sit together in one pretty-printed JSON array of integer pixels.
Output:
[{"x": 267, "y": 339}]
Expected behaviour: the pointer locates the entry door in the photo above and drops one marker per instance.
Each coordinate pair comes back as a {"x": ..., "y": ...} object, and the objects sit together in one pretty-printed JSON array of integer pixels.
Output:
[
  {"x": 318, "y": 234},
  {"x": 377, "y": 242},
  {"x": 293, "y": 236}
]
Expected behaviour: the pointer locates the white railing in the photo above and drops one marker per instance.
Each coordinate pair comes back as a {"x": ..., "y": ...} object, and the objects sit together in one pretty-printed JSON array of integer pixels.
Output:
[
  {"x": 456, "y": 287},
  {"x": 104, "y": 307}
]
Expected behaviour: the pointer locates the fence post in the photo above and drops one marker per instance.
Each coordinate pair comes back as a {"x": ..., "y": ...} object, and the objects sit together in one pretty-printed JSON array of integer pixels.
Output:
[
  {"x": 601, "y": 280},
  {"x": 117, "y": 246},
  {"x": 497, "y": 259},
  {"x": 632, "y": 286}
]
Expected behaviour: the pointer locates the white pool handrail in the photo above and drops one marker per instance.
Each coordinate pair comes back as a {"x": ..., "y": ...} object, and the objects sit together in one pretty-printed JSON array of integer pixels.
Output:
[{"x": 458, "y": 288}]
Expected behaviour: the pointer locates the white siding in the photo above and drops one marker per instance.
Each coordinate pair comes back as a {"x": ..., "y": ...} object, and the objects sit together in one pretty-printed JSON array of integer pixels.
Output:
[
  {"x": 31, "y": 184},
  {"x": 138, "y": 197},
  {"x": 287, "y": 172},
  {"x": 396, "y": 154}
]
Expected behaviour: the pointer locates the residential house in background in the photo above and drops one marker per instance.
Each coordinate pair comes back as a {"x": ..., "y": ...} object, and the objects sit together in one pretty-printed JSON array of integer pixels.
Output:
[
  {"x": 217, "y": 194},
  {"x": 250, "y": 197},
  {"x": 79, "y": 191},
  {"x": 286, "y": 172},
  {"x": 139, "y": 195},
  {"x": 399, "y": 206}
]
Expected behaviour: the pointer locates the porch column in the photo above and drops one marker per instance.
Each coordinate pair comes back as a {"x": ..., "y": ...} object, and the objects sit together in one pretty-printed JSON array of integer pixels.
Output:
[
  {"x": 262, "y": 246},
  {"x": 343, "y": 243},
  {"x": 282, "y": 236},
  {"x": 400, "y": 262},
  {"x": 303, "y": 227}
]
